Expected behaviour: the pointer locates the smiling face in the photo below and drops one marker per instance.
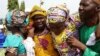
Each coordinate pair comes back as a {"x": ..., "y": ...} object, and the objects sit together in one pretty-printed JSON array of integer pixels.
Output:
[
  {"x": 39, "y": 21},
  {"x": 87, "y": 10},
  {"x": 56, "y": 26}
]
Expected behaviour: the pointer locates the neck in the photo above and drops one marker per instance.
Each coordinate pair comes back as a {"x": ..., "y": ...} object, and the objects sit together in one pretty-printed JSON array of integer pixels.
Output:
[
  {"x": 39, "y": 31},
  {"x": 97, "y": 32},
  {"x": 93, "y": 21},
  {"x": 59, "y": 30}
]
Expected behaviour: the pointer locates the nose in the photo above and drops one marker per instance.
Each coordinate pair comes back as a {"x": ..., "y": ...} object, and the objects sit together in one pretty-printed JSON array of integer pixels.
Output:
[
  {"x": 81, "y": 8},
  {"x": 38, "y": 20}
]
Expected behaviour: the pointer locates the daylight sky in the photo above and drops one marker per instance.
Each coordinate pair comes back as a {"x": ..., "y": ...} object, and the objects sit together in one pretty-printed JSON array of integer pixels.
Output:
[{"x": 71, "y": 4}]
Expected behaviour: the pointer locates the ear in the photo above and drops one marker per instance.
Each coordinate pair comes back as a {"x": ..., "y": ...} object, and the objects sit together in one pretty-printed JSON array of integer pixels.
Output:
[{"x": 98, "y": 8}]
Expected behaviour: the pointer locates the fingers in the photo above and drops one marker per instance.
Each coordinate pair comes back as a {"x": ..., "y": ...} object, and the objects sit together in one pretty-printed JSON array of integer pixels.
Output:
[
  {"x": 31, "y": 32},
  {"x": 71, "y": 41},
  {"x": 71, "y": 38}
]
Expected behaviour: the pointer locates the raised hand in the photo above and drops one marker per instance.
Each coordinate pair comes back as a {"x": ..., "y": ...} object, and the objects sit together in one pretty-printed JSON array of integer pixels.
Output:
[
  {"x": 72, "y": 41},
  {"x": 31, "y": 32}
]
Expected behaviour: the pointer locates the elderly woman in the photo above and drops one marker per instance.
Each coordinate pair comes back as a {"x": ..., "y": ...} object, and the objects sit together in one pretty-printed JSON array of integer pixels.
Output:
[
  {"x": 41, "y": 35},
  {"x": 61, "y": 26},
  {"x": 13, "y": 42}
]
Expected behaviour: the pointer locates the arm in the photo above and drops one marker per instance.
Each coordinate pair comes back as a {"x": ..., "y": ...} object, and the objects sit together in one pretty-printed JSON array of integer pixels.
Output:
[
  {"x": 86, "y": 51},
  {"x": 21, "y": 47},
  {"x": 89, "y": 52}
]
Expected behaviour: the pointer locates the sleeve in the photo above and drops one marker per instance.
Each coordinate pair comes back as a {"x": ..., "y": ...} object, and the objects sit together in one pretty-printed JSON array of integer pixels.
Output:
[
  {"x": 21, "y": 49},
  {"x": 89, "y": 52},
  {"x": 5, "y": 44}
]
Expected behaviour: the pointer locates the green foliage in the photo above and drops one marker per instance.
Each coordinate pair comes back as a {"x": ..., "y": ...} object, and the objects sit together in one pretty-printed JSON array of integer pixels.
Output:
[
  {"x": 22, "y": 7},
  {"x": 13, "y": 4}
]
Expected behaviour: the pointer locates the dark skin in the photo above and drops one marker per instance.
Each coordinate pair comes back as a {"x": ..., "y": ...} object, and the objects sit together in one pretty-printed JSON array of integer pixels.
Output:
[
  {"x": 39, "y": 27},
  {"x": 93, "y": 12},
  {"x": 88, "y": 13},
  {"x": 89, "y": 16},
  {"x": 97, "y": 32},
  {"x": 39, "y": 23},
  {"x": 57, "y": 27}
]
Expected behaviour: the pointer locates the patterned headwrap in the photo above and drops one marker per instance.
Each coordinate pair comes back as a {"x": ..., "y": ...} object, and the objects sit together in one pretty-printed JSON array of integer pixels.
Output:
[
  {"x": 16, "y": 18},
  {"x": 37, "y": 10},
  {"x": 57, "y": 14}
]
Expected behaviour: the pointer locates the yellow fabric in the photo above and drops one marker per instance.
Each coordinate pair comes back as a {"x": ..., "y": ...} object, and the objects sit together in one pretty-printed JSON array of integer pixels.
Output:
[
  {"x": 54, "y": 20},
  {"x": 40, "y": 51},
  {"x": 37, "y": 10},
  {"x": 60, "y": 39}
]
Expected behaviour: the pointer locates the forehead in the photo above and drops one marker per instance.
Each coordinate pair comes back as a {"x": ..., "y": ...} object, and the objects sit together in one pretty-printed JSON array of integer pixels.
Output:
[
  {"x": 86, "y": 1},
  {"x": 18, "y": 13},
  {"x": 37, "y": 17}
]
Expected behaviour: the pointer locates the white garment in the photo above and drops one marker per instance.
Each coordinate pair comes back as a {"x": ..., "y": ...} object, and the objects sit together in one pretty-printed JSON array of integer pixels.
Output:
[
  {"x": 29, "y": 45},
  {"x": 92, "y": 40},
  {"x": 1, "y": 26}
]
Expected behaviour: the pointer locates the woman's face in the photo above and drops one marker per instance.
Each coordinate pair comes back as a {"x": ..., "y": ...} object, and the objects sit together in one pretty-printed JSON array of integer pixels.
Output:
[
  {"x": 57, "y": 25},
  {"x": 18, "y": 17},
  {"x": 39, "y": 21}
]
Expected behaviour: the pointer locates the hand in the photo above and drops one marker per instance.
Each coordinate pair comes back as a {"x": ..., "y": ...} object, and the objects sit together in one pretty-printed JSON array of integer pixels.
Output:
[
  {"x": 31, "y": 32},
  {"x": 30, "y": 25},
  {"x": 76, "y": 43}
]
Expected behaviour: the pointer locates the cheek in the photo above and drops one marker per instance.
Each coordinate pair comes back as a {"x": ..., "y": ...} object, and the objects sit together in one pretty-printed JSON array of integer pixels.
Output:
[
  {"x": 14, "y": 18},
  {"x": 81, "y": 17},
  {"x": 44, "y": 22},
  {"x": 90, "y": 8}
]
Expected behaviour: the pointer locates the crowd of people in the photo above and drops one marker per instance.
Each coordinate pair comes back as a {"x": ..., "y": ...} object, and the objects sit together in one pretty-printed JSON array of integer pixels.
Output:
[{"x": 53, "y": 32}]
